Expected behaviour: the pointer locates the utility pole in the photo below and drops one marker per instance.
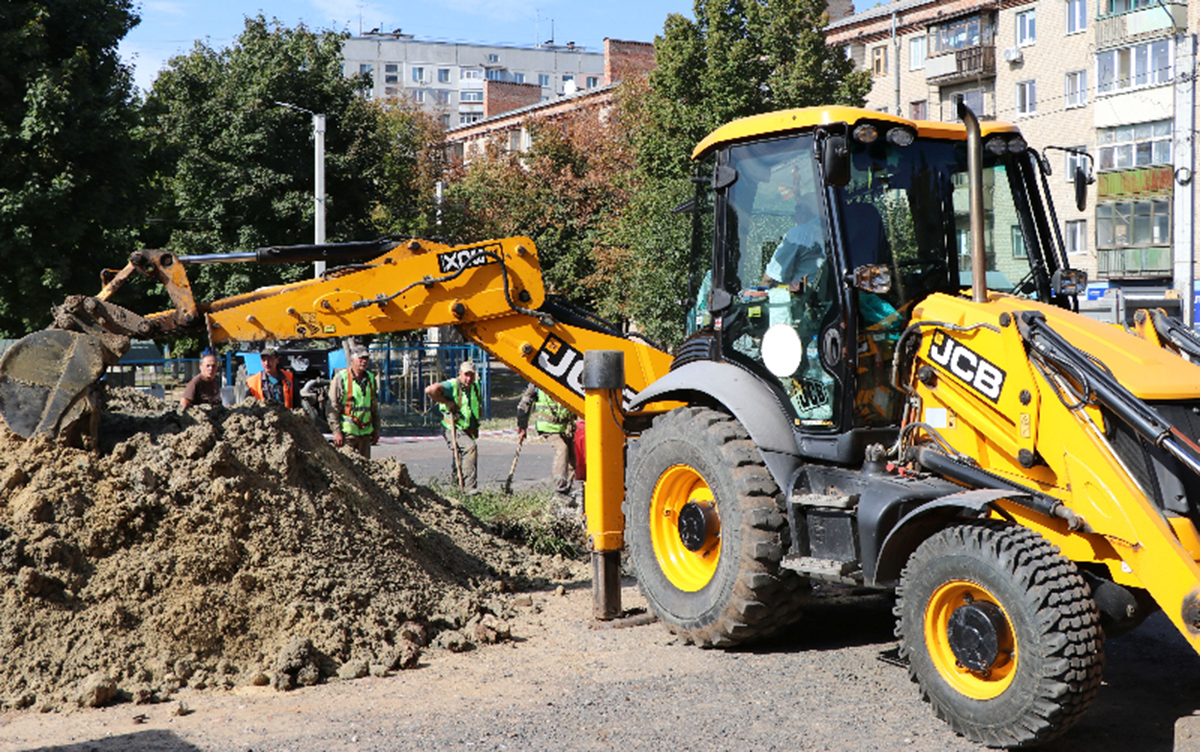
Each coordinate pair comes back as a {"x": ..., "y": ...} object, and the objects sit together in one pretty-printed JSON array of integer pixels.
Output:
[{"x": 318, "y": 122}]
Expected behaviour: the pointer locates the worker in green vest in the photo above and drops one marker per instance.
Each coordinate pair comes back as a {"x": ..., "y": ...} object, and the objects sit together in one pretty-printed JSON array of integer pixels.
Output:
[
  {"x": 556, "y": 425},
  {"x": 353, "y": 410},
  {"x": 461, "y": 400}
]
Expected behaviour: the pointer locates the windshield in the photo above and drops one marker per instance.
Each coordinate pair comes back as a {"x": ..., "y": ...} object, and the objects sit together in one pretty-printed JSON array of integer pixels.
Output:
[{"x": 787, "y": 244}]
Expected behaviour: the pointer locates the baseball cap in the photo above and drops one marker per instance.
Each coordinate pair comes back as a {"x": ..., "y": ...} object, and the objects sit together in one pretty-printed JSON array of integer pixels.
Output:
[
  {"x": 467, "y": 367},
  {"x": 270, "y": 352},
  {"x": 358, "y": 351}
]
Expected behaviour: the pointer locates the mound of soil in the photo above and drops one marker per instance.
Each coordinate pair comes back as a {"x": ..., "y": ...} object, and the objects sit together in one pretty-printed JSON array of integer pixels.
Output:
[{"x": 225, "y": 546}]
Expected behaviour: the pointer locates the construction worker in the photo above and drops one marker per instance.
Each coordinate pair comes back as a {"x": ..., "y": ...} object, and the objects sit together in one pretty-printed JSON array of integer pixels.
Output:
[
  {"x": 205, "y": 388},
  {"x": 556, "y": 425},
  {"x": 460, "y": 400},
  {"x": 272, "y": 384},
  {"x": 353, "y": 410}
]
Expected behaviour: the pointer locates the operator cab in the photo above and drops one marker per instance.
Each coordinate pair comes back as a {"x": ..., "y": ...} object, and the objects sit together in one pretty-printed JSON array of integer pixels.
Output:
[{"x": 819, "y": 260}]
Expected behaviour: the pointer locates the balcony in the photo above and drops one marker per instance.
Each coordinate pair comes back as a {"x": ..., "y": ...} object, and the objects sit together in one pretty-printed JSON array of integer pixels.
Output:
[
  {"x": 960, "y": 65},
  {"x": 1134, "y": 263},
  {"x": 1154, "y": 22}
]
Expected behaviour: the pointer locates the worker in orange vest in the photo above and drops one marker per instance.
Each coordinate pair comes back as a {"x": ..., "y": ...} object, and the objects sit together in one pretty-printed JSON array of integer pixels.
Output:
[{"x": 272, "y": 383}]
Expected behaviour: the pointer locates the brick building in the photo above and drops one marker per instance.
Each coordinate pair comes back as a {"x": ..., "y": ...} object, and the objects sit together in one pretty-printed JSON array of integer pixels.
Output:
[
  {"x": 508, "y": 128},
  {"x": 1097, "y": 75}
]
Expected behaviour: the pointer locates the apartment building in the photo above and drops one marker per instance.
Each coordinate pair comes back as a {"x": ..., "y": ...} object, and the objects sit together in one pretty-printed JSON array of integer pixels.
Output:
[
  {"x": 448, "y": 79},
  {"x": 1101, "y": 76}
]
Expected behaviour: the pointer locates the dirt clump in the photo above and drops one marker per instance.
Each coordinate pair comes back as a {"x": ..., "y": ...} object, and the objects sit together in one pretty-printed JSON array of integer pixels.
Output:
[{"x": 220, "y": 547}]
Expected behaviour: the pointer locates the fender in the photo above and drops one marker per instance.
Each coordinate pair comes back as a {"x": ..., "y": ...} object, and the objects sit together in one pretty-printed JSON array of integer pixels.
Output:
[
  {"x": 924, "y": 521},
  {"x": 743, "y": 395}
]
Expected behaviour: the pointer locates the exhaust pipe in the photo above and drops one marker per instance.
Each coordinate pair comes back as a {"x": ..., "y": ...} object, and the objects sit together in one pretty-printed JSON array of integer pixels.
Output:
[{"x": 975, "y": 181}]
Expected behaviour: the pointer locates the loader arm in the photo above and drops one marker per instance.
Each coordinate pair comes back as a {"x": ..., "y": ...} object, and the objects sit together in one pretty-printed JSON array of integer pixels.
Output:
[{"x": 492, "y": 291}]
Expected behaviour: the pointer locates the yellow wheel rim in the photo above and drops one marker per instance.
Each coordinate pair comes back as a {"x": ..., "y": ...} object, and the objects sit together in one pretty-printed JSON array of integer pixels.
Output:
[
  {"x": 687, "y": 570},
  {"x": 978, "y": 685}
]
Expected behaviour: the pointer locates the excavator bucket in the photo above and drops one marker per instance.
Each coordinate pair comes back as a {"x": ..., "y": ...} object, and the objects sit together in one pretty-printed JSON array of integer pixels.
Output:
[{"x": 47, "y": 380}]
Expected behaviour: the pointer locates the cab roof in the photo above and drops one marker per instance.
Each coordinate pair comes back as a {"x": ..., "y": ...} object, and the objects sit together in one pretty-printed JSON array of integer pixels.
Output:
[{"x": 805, "y": 118}]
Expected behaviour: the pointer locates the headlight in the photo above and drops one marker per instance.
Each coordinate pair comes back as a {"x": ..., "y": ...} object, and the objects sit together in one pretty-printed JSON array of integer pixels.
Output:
[
  {"x": 866, "y": 134},
  {"x": 1017, "y": 145},
  {"x": 900, "y": 136},
  {"x": 995, "y": 145}
]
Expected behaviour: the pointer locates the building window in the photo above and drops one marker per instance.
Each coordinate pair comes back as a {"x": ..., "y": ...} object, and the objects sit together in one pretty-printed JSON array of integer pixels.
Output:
[
  {"x": 441, "y": 96},
  {"x": 1076, "y": 91},
  {"x": 1076, "y": 16},
  {"x": 1018, "y": 243},
  {"x": 1133, "y": 223},
  {"x": 568, "y": 77},
  {"x": 390, "y": 68},
  {"x": 1133, "y": 67},
  {"x": 1026, "y": 28},
  {"x": 418, "y": 96},
  {"x": 471, "y": 96},
  {"x": 518, "y": 78},
  {"x": 471, "y": 74},
  {"x": 1076, "y": 236},
  {"x": 444, "y": 120},
  {"x": 918, "y": 110},
  {"x": 879, "y": 61},
  {"x": 1026, "y": 97},
  {"x": 543, "y": 79},
  {"x": 972, "y": 99},
  {"x": 958, "y": 35},
  {"x": 391, "y": 79},
  {"x": 1075, "y": 161},
  {"x": 593, "y": 81},
  {"x": 916, "y": 52},
  {"x": 495, "y": 74},
  {"x": 1115, "y": 7},
  {"x": 364, "y": 68},
  {"x": 1140, "y": 145},
  {"x": 389, "y": 90},
  {"x": 493, "y": 58},
  {"x": 443, "y": 75},
  {"x": 418, "y": 75},
  {"x": 469, "y": 117}
]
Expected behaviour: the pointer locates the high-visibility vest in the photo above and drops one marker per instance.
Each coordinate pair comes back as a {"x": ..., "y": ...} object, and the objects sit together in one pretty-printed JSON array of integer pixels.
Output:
[
  {"x": 356, "y": 406},
  {"x": 254, "y": 385},
  {"x": 550, "y": 416},
  {"x": 469, "y": 404}
]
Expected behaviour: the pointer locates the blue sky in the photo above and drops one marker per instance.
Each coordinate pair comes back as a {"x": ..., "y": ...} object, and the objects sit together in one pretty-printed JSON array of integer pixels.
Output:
[{"x": 170, "y": 27}]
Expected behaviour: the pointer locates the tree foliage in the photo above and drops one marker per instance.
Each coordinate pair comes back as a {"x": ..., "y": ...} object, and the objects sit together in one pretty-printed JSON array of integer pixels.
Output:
[
  {"x": 562, "y": 193},
  {"x": 737, "y": 58},
  {"x": 73, "y": 187},
  {"x": 240, "y": 168}
]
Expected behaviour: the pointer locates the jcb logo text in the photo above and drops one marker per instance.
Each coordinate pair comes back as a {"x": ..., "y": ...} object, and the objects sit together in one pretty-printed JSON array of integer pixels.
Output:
[{"x": 976, "y": 371}]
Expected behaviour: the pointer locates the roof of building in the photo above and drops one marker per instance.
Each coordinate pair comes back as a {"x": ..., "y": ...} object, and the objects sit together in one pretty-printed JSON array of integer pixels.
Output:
[
  {"x": 530, "y": 108},
  {"x": 879, "y": 11}
]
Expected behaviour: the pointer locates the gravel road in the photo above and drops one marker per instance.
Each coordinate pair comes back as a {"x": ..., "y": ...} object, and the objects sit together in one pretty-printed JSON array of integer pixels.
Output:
[{"x": 562, "y": 684}]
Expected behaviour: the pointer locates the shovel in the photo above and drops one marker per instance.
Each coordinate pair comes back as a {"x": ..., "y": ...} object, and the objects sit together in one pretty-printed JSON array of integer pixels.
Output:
[
  {"x": 513, "y": 469},
  {"x": 454, "y": 441}
]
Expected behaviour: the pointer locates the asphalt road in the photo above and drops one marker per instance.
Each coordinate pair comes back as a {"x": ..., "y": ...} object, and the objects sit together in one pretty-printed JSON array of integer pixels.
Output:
[{"x": 428, "y": 460}]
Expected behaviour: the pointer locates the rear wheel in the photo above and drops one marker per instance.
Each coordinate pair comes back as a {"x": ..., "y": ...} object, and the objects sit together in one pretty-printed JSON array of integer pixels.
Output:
[
  {"x": 706, "y": 532},
  {"x": 1001, "y": 633}
]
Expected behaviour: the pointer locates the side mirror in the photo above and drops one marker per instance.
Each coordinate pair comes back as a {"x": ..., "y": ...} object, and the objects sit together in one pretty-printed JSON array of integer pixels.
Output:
[
  {"x": 876, "y": 278},
  {"x": 835, "y": 161},
  {"x": 1081, "y": 184}
]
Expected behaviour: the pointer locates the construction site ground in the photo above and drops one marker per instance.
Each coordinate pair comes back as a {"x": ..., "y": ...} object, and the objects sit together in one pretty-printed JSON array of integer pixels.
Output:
[{"x": 224, "y": 580}]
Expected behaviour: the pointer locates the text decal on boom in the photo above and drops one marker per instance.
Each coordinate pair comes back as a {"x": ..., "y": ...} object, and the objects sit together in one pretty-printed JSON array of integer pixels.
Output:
[
  {"x": 465, "y": 258},
  {"x": 972, "y": 368}
]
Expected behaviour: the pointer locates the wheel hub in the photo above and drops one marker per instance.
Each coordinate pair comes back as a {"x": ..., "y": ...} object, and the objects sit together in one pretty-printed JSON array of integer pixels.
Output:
[
  {"x": 698, "y": 525},
  {"x": 975, "y": 632}
]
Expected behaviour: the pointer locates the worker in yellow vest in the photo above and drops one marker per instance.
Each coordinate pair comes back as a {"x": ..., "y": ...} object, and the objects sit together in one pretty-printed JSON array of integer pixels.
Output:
[
  {"x": 556, "y": 425},
  {"x": 353, "y": 410},
  {"x": 461, "y": 400}
]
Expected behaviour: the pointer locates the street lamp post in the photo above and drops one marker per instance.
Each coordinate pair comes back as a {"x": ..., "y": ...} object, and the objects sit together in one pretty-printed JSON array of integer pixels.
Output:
[{"x": 318, "y": 122}]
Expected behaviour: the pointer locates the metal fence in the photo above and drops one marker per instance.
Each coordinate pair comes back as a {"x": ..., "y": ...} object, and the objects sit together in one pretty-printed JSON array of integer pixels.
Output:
[{"x": 403, "y": 371}]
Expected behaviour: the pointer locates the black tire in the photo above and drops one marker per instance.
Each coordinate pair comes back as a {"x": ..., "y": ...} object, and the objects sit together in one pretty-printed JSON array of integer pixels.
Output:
[
  {"x": 737, "y": 592},
  {"x": 1049, "y": 622}
]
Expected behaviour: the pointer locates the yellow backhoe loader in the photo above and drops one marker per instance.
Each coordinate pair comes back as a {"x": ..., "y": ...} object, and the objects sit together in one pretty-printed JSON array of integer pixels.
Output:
[{"x": 887, "y": 386}]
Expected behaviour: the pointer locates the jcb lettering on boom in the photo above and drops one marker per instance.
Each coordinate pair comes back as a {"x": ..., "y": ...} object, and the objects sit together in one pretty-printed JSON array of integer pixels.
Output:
[
  {"x": 972, "y": 368},
  {"x": 564, "y": 364},
  {"x": 466, "y": 258}
]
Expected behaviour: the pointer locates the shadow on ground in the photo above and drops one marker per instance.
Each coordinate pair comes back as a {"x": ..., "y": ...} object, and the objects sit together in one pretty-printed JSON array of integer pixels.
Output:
[{"x": 151, "y": 740}]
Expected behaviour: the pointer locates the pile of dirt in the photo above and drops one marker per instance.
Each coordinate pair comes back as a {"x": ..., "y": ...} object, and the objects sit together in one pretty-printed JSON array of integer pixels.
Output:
[{"x": 228, "y": 546}]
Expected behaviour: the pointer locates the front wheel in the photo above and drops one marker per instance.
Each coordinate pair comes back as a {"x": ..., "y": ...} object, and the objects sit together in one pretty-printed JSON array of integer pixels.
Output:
[
  {"x": 706, "y": 532},
  {"x": 1001, "y": 633}
]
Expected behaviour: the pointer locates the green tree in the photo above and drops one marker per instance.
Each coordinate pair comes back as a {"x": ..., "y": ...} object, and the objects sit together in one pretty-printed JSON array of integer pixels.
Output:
[
  {"x": 239, "y": 169},
  {"x": 738, "y": 58},
  {"x": 72, "y": 162}
]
